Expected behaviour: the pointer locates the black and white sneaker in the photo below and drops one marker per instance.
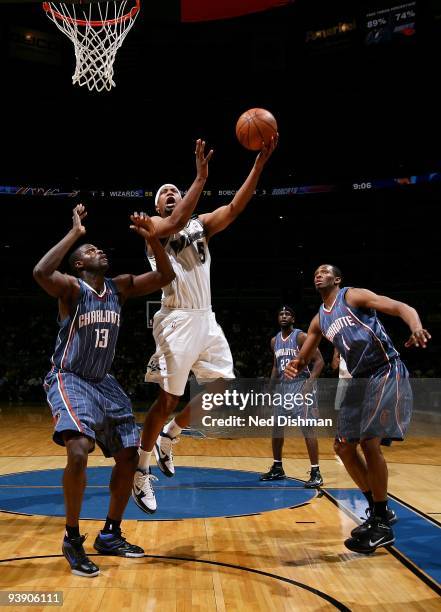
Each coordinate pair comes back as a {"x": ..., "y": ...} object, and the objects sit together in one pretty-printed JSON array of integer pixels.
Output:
[
  {"x": 275, "y": 473},
  {"x": 164, "y": 453},
  {"x": 115, "y": 544},
  {"x": 79, "y": 562},
  {"x": 378, "y": 534},
  {"x": 315, "y": 479},
  {"x": 357, "y": 531},
  {"x": 143, "y": 493}
]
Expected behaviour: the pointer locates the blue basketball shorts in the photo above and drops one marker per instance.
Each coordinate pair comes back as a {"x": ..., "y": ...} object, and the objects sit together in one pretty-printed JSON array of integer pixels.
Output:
[
  {"x": 378, "y": 406},
  {"x": 296, "y": 399},
  {"x": 99, "y": 410}
]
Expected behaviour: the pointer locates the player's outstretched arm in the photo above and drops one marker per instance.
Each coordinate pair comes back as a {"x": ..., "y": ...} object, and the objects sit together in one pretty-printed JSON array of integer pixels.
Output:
[
  {"x": 221, "y": 218},
  {"x": 46, "y": 271},
  {"x": 274, "y": 377},
  {"x": 335, "y": 361},
  {"x": 363, "y": 298},
  {"x": 274, "y": 372},
  {"x": 184, "y": 209},
  {"x": 317, "y": 359},
  {"x": 130, "y": 285},
  {"x": 307, "y": 351}
]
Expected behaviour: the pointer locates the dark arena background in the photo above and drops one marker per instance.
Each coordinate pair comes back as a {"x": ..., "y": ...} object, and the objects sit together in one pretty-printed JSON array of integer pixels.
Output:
[{"x": 355, "y": 181}]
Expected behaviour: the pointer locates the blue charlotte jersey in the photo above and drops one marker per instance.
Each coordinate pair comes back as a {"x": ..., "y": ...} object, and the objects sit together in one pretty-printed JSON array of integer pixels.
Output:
[
  {"x": 87, "y": 339},
  {"x": 287, "y": 349},
  {"x": 358, "y": 336}
]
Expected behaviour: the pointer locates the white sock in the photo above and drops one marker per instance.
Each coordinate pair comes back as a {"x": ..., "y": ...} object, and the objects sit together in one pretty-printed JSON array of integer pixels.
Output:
[
  {"x": 144, "y": 459},
  {"x": 337, "y": 458},
  {"x": 172, "y": 429},
  {"x": 315, "y": 466}
]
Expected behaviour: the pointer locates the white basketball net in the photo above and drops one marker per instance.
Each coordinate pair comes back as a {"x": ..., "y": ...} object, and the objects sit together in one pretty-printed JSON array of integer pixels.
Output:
[{"x": 97, "y": 31}]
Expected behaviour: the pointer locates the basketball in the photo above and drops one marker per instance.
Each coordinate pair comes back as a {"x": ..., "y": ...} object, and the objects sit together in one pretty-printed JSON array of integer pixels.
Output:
[{"x": 255, "y": 126}]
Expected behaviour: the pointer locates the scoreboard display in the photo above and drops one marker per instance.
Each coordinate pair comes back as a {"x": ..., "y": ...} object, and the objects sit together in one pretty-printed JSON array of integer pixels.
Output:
[{"x": 386, "y": 24}]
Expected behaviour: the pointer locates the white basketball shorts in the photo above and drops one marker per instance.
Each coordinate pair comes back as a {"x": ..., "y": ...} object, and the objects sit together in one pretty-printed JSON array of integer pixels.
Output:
[{"x": 187, "y": 340}]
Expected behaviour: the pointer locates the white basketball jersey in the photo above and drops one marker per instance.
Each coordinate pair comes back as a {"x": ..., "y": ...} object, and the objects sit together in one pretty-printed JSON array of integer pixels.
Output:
[{"x": 190, "y": 258}]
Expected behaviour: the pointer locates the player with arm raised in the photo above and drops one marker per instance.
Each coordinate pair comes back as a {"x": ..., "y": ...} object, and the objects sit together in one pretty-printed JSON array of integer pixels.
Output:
[
  {"x": 377, "y": 405},
  {"x": 174, "y": 211},
  {"x": 187, "y": 336},
  {"x": 88, "y": 405}
]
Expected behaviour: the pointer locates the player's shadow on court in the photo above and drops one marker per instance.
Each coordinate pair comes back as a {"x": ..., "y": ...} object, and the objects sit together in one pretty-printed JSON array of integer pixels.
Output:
[
  {"x": 330, "y": 558},
  {"x": 22, "y": 573},
  {"x": 189, "y": 552}
]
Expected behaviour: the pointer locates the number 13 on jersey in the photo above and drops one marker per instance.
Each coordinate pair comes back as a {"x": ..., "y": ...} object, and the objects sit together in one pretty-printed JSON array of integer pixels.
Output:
[{"x": 102, "y": 338}]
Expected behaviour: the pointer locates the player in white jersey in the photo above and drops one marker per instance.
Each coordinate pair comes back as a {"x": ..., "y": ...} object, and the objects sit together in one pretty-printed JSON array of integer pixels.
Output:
[{"x": 187, "y": 336}]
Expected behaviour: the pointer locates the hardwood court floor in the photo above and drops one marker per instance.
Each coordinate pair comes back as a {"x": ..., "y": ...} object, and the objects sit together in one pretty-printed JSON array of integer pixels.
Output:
[{"x": 290, "y": 559}]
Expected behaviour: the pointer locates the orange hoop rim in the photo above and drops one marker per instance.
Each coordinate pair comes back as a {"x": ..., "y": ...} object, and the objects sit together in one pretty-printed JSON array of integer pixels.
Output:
[{"x": 97, "y": 23}]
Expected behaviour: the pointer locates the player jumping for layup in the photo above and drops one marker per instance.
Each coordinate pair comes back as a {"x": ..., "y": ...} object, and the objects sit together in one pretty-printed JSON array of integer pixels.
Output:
[
  {"x": 377, "y": 404},
  {"x": 185, "y": 329},
  {"x": 88, "y": 405}
]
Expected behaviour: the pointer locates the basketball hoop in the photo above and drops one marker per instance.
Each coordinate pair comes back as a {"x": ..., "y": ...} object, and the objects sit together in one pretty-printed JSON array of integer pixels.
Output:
[{"x": 97, "y": 32}]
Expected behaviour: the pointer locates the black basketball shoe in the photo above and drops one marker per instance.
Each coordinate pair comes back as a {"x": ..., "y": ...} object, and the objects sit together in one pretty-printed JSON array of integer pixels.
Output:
[
  {"x": 79, "y": 562},
  {"x": 115, "y": 544},
  {"x": 376, "y": 535},
  {"x": 357, "y": 531},
  {"x": 275, "y": 473},
  {"x": 315, "y": 479}
]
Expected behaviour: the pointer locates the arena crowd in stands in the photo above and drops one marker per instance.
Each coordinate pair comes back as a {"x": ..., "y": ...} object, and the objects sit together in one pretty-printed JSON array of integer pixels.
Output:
[{"x": 30, "y": 328}]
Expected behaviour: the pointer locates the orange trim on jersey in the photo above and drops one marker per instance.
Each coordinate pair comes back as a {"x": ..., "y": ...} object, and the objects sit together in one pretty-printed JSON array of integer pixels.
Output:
[
  {"x": 104, "y": 293},
  {"x": 287, "y": 337},
  {"x": 67, "y": 403},
  {"x": 375, "y": 410},
  {"x": 386, "y": 356},
  {"x": 397, "y": 414},
  {"x": 69, "y": 337},
  {"x": 325, "y": 310}
]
